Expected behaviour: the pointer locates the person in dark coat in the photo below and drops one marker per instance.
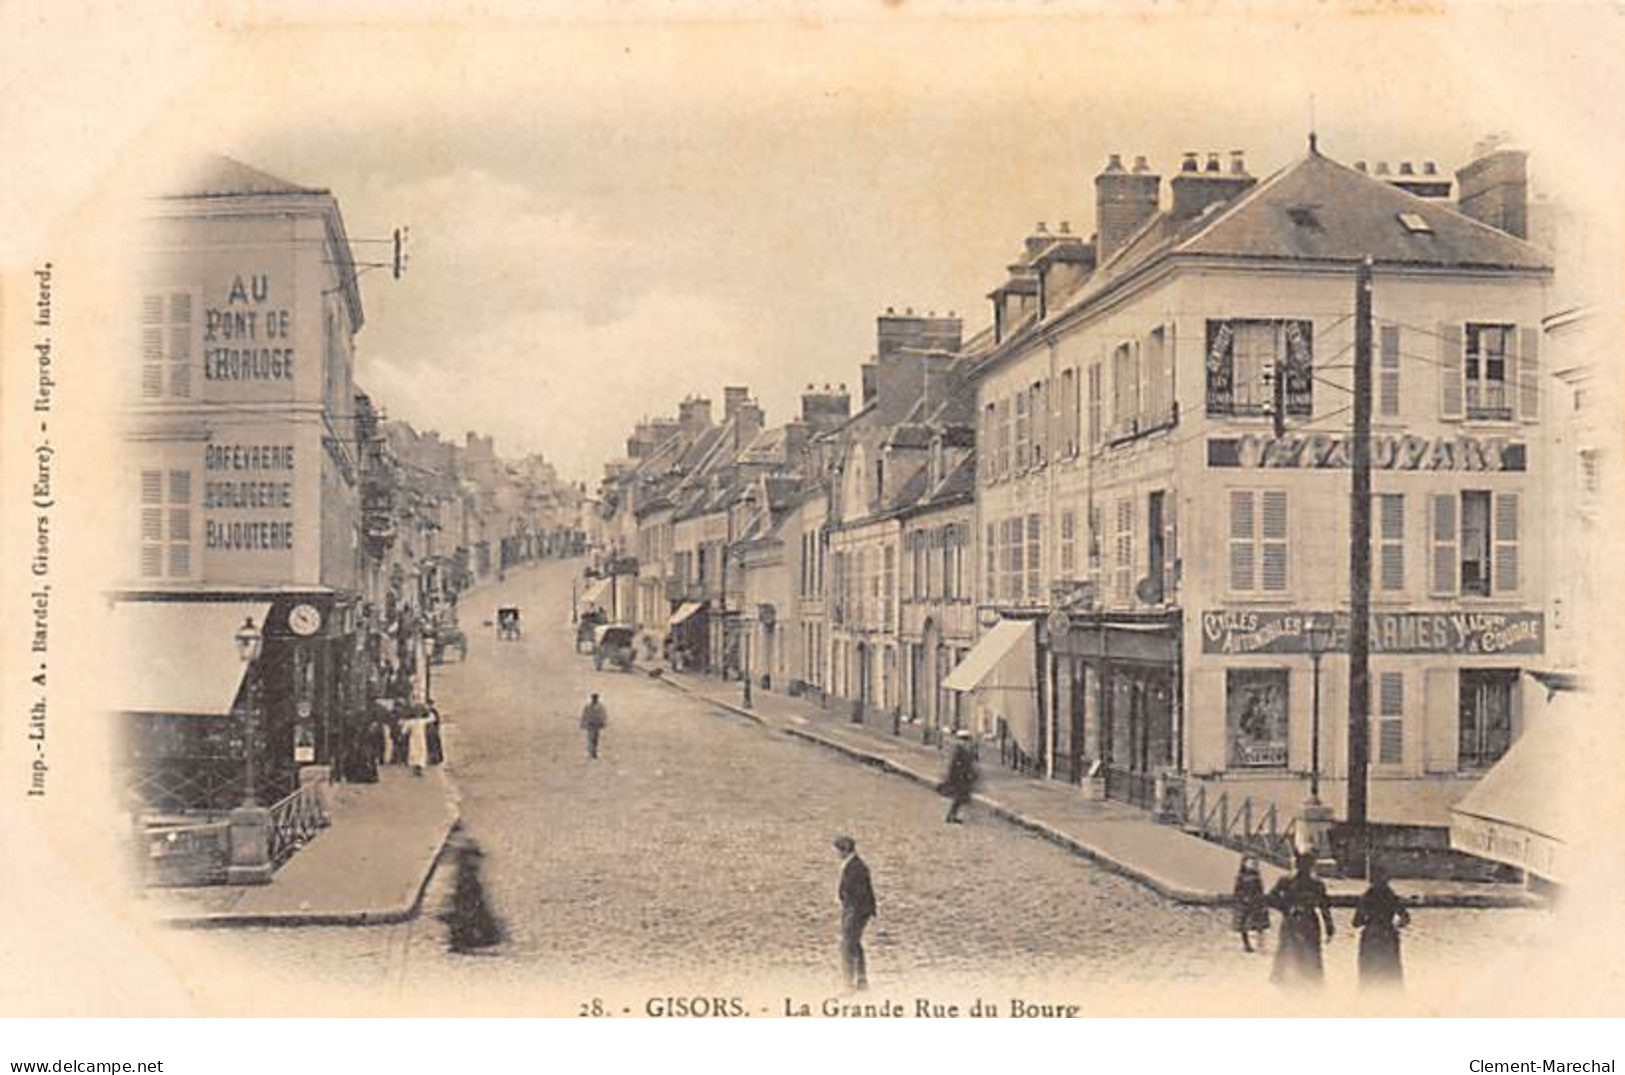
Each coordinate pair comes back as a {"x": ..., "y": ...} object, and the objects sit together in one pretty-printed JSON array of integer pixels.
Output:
[
  {"x": 1305, "y": 908},
  {"x": 857, "y": 896},
  {"x": 1379, "y": 916},
  {"x": 594, "y": 717},
  {"x": 960, "y": 783},
  {"x": 437, "y": 748},
  {"x": 470, "y": 924},
  {"x": 1252, "y": 914}
]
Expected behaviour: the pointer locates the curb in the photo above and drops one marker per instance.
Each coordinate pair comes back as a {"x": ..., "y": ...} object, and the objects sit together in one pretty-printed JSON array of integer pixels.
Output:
[
  {"x": 1178, "y": 893},
  {"x": 370, "y": 917}
]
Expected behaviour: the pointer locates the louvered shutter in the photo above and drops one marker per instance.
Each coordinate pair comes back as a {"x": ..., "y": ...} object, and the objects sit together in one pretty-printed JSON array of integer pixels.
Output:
[
  {"x": 1170, "y": 547},
  {"x": 1506, "y": 543},
  {"x": 1274, "y": 544},
  {"x": 1242, "y": 532},
  {"x": 1392, "y": 544},
  {"x": 152, "y": 523},
  {"x": 1441, "y": 721},
  {"x": 1528, "y": 374},
  {"x": 180, "y": 345},
  {"x": 1388, "y": 393},
  {"x": 1446, "y": 560},
  {"x": 1450, "y": 371}
]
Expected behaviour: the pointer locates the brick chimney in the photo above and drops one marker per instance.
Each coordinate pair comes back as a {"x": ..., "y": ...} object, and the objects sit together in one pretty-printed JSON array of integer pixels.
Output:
[
  {"x": 694, "y": 415},
  {"x": 1124, "y": 201},
  {"x": 894, "y": 331},
  {"x": 824, "y": 409},
  {"x": 1494, "y": 189},
  {"x": 1427, "y": 183},
  {"x": 1196, "y": 187},
  {"x": 734, "y": 397}
]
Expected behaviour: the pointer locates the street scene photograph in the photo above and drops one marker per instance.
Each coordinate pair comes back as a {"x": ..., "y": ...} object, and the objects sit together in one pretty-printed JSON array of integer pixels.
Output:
[{"x": 888, "y": 517}]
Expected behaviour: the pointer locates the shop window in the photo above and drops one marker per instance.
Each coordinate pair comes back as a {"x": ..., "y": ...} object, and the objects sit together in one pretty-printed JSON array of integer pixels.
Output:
[
  {"x": 1486, "y": 698},
  {"x": 1391, "y": 718},
  {"x": 1240, "y": 352},
  {"x": 168, "y": 331},
  {"x": 1256, "y": 717},
  {"x": 166, "y": 524}
]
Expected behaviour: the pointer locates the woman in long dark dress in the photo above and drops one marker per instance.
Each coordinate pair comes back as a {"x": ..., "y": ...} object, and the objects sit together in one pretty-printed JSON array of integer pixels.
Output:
[
  {"x": 960, "y": 783},
  {"x": 1305, "y": 908},
  {"x": 1379, "y": 917},
  {"x": 471, "y": 925}
]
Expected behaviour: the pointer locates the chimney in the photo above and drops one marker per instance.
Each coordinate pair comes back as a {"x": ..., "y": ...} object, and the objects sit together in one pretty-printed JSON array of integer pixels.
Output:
[
  {"x": 1124, "y": 201},
  {"x": 1494, "y": 190},
  {"x": 940, "y": 381},
  {"x": 734, "y": 397},
  {"x": 1038, "y": 241},
  {"x": 871, "y": 382},
  {"x": 1427, "y": 183},
  {"x": 1194, "y": 190},
  {"x": 894, "y": 332},
  {"x": 694, "y": 415},
  {"x": 748, "y": 422}
]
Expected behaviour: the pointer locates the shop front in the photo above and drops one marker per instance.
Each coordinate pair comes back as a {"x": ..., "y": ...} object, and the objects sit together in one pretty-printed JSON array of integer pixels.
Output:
[
  {"x": 1117, "y": 701},
  {"x": 194, "y": 709}
]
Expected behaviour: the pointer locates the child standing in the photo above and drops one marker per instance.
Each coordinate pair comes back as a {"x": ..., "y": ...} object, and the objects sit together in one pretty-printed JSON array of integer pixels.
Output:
[{"x": 1252, "y": 914}]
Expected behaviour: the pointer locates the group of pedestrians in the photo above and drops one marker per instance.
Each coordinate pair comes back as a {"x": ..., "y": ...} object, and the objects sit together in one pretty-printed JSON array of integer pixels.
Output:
[{"x": 1306, "y": 922}]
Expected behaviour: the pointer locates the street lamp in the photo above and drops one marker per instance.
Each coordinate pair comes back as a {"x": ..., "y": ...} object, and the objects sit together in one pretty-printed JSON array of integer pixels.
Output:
[
  {"x": 1317, "y": 637},
  {"x": 250, "y": 640},
  {"x": 1317, "y": 817}
]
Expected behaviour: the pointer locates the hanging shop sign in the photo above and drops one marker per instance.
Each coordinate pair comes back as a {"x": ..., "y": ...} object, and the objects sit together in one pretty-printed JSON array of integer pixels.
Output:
[
  {"x": 1331, "y": 451},
  {"x": 1244, "y": 631}
]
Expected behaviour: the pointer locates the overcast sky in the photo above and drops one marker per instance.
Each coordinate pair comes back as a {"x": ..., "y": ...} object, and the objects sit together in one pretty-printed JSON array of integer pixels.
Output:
[{"x": 604, "y": 220}]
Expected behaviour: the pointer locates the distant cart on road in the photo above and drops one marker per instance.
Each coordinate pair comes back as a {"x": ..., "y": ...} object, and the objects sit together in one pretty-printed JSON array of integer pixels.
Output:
[{"x": 614, "y": 643}]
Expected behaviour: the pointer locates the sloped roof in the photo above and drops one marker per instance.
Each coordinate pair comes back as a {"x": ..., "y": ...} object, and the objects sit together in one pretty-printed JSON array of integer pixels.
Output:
[
  {"x": 911, "y": 492},
  {"x": 219, "y": 177},
  {"x": 1344, "y": 215}
]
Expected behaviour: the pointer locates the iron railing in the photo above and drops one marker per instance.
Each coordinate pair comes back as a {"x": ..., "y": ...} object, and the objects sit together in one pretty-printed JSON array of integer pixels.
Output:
[
  {"x": 1245, "y": 826},
  {"x": 295, "y": 820}
]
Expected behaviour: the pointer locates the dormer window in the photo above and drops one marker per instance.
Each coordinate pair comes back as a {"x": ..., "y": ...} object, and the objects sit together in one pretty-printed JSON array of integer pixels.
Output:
[{"x": 1304, "y": 217}]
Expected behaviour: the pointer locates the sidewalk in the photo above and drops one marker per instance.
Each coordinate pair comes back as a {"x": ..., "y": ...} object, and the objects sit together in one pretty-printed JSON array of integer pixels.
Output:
[
  {"x": 1122, "y": 838},
  {"x": 370, "y": 866}
]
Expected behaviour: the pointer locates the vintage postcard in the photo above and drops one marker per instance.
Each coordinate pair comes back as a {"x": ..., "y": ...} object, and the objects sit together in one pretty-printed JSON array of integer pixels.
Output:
[{"x": 857, "y": 510}]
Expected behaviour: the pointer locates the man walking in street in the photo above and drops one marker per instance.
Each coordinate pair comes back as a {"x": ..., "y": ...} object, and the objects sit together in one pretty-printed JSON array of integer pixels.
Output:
[
  {"x": 593, "y": 719},
  {"x": 857, "y": 907},
  {"x": 960, "y": 783}
]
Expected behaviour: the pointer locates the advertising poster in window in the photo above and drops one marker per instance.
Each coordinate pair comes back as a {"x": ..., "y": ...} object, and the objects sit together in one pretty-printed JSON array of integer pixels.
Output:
[{"x": 1256, "y": 717}]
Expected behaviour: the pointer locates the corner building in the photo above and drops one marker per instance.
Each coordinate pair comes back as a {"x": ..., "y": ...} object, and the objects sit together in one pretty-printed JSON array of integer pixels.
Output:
[{"x": 1169, "y": 550}]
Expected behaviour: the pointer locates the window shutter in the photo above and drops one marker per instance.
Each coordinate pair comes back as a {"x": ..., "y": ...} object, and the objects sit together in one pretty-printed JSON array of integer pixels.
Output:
[
  {"x": 1506, "y": 543},
  {"x": 1450, "y": 371},
  {"x": 1241, "y": 540},
  {"x": 1388, "y": 396},
  {"x": 1446, "y": 561},
  {"x": 1441, "y": 720},
  {"x": 1528, "y": 374},
  {"x": 1170, "y": 547},
  {"x": 1391, "y": 728},
  {"x": 1274, "y": 543},
  {"x": 1392, "y": 561}
]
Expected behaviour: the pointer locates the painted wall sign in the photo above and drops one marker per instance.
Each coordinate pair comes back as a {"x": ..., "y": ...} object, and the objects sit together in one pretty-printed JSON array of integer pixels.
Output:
[
  {"x": 248, "y": 497},
  {"x": 1239, "y": 631},
  {"x": 1328, "y": 451},
  {"x": 248, "y": 338}
]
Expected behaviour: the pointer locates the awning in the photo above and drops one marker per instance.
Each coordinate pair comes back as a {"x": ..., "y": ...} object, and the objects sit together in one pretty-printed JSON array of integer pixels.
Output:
[
  {"x": 687, "y": 609},
  {"x": 986, "y": 656},
  {"x": 595, "y": 593},
  {"x": 183, "y": 654},
  {"x": 1526, "y": 811}
]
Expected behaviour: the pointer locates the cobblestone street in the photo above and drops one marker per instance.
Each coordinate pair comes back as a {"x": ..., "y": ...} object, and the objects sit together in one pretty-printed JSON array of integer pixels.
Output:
[{"x": 696, "y": 852}]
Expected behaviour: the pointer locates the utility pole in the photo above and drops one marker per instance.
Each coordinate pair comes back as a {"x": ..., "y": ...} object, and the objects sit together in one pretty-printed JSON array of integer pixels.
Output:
[{"x": 1360, "y": 579}]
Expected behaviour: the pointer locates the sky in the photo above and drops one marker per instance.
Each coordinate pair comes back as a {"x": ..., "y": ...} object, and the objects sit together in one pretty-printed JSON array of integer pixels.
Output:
[{"x": 606, "y": 218}]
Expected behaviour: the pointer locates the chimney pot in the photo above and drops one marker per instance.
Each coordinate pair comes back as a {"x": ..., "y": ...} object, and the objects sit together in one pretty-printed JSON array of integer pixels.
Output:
[
  {"x": 1430, "y": 168},
  {"x": 1382, "y": 167},
  {"x": 842, "y": 387},
  {"x": 1361, "y": 167},
  {"x": 1140, "y": 165},
  {"x": 930, "y": 313},
  {"x": 1114, "y": 163},
  {"x": 908, "y": 311},
  {"x": 1213, "y": 162},
  {"x": 1406, "y": 169},
  {"x": 1189, "y": 163},
  {"x": 950, "y": 313},
  {"x": 1042, "y": 230},
  {"x": 1238, "y": 162},
  {"x": 1066, "y": 229}
]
